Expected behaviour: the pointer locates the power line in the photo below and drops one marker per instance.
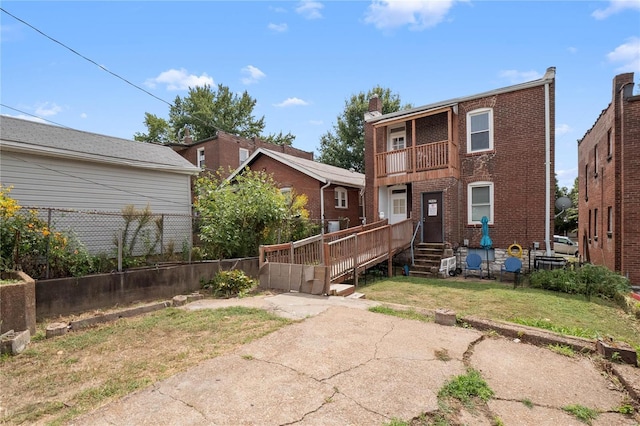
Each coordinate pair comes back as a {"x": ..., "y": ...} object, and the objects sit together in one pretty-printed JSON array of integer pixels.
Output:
[
  {"x": 85, "y": 58},
  {"x": 35, "y": 116}
]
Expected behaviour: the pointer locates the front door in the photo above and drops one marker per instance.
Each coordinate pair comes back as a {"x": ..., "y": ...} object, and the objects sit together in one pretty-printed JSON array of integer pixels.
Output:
[{"x": 432, "y": 229}]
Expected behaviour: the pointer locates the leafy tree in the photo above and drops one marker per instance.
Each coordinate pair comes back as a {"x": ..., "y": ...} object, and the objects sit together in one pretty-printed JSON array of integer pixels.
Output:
[
  {"x": 204, "y": 111},
  {"x": 344, "y": 145},
  {"x": 235, "y": 218}
]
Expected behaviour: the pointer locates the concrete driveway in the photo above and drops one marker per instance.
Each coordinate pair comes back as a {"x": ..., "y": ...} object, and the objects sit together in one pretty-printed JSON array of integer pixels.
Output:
[{"x": 344, "y": 365}]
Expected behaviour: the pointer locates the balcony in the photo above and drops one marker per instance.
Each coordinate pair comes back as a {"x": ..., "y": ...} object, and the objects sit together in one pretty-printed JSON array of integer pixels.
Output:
[{"x": 415, "y": 163}]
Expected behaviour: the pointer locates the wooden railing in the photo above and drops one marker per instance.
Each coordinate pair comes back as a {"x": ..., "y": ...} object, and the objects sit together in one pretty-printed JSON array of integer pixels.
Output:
[
  {"x": 429, "y": 156},
  {"x": 309, "y": 250},
  {"x": 346, "y": 251}
]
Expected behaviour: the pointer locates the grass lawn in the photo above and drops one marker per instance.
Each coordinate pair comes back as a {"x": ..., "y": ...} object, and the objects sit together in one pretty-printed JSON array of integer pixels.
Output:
[
  {"x": 564, "y": 313},
  {"x": 55, "y": 380}
]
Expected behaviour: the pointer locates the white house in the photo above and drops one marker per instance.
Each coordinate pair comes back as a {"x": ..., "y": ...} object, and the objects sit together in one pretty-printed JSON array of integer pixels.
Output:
[{"x": 52, "y": 167}]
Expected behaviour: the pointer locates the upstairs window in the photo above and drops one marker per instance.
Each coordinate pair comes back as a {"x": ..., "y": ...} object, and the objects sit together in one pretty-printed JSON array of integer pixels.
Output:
[
  {"x": 244, "y": 154},
  {"x": 480, "y": 130},
  {"x": 479, "y": 202},
  {"x": 609, "y": 145},
  {"x": 200, "y": 159},
  {"x": 609, "y": 221},
  {"x": 397, "y": 138},
  {"x": 341, "y": 198},
  {"x": 595, "y": 161}
]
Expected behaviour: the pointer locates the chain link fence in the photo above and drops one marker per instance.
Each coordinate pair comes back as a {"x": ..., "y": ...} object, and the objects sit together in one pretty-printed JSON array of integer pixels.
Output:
[{"x": 52, "y": 243}]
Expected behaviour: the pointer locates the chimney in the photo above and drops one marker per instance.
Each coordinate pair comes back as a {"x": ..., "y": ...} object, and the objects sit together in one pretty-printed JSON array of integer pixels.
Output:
[
  {"x": 187, "y": 140},
  {"x": 375, "y": 104},
  {"x": 621, "y": 80}
]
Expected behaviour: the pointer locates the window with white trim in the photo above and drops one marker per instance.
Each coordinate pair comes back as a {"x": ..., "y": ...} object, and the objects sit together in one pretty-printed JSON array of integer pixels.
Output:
[
  {"x": 480, "y": 202},
  {"x": 341, "y": 198},
  {"x": 397, "y": 138},
  {"x": 244, "y": 154},
  {"x": 480, "y": 130},
  {"x": 200, "y": 158}
]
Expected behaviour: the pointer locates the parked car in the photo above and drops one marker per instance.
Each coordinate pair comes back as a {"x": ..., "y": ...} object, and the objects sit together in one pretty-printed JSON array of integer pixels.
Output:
[{"x": 564, "y": 245}]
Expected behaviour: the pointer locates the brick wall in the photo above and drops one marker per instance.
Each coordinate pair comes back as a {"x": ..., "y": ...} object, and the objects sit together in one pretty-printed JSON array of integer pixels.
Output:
[{"x": 288, "y": 177}]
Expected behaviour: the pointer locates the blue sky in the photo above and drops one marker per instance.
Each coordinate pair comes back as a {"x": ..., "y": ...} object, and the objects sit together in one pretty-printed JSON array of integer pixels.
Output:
[{"x": 302, "y": 60}]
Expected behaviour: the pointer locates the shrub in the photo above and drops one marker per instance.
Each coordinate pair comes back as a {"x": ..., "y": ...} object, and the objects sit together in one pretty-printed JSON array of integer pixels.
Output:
[{"x": 230, "y": 283}]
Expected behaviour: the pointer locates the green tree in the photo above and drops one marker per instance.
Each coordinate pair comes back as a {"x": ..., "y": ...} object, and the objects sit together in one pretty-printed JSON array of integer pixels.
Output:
[
  {"x": 204, "y": 111},
  {"x": 235, "y": 218},
  {"x": 344, "y": 145}
]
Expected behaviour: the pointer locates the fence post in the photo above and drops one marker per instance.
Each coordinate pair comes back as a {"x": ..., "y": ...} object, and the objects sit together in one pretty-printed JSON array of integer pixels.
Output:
[
  {"x": 46, "y": 274},
  {"x": 355, "y": 261},
  {"x": 162, "y": 236},
  {"x": 261, "y": 258},
  {"x": 120, "y": 250},
  {"x": 390, "y": 260},
  {"x": 291, "y": 256}
]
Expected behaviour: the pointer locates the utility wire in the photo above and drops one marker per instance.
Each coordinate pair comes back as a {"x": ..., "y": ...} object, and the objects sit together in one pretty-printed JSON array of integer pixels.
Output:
[
  {"x": 35, "y": 116},
  {"x": 85, "y": 58}
]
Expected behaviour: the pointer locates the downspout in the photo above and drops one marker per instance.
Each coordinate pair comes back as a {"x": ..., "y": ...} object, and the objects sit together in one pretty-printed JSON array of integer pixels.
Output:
[
  {"x": 547, "y": 153},
  {"x": 322, "y": 218},
  {"x": 364, "y": 204}
]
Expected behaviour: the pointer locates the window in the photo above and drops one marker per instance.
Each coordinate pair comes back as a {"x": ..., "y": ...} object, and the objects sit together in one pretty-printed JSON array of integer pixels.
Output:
[
  {"x": 244, "y": 154},
  {"x": 200, "y": 159},
  {"x": 399, "y": 206},
  {"x": 397, "y": 138},
  {"x": 609, "y": 221},
  {"x": 609, "y": 145},
  {"x": 595, "y": 224},
  {"x": 480, "y": 202},
  {"x": 480, "y": 130},
  {"x": 341, "y": 198},
  {"x": 595, "y": 161},
  {"x": 586, "y": 184},
  {"x": 589, "y": 233}
]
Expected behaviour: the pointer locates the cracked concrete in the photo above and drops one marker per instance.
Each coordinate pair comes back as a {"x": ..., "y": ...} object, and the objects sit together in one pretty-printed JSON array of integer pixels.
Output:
[{"x": 346, "y": 366}]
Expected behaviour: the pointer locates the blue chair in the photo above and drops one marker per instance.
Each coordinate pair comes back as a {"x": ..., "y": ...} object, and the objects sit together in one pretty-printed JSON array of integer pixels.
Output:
[
  {"x": 513, "y": 265},
  {"x": 474, "y": 263}
]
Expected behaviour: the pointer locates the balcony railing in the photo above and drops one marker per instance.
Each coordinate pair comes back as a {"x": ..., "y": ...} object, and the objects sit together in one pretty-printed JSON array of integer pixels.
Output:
[{"x": 429, "y": 156}]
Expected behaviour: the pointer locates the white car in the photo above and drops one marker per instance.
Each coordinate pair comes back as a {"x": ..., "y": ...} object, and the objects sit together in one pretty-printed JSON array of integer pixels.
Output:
[{"x": 564, "y": 245}]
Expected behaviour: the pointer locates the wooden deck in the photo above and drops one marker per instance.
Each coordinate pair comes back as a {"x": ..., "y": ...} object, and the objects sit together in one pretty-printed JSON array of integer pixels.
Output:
[{"x": 347, "y": 252}]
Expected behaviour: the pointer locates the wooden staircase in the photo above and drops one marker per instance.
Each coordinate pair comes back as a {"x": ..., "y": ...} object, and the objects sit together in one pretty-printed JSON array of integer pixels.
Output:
[{"x": 427, "y": 258}]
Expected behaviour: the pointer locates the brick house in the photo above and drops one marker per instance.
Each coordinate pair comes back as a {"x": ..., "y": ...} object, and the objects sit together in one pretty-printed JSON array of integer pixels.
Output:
[
  {"x": 609, "y": 184},
  {"x": 228, "y": 151},
  {"x": 334, "y": 194},
  {"x": 448, "y": 164}
]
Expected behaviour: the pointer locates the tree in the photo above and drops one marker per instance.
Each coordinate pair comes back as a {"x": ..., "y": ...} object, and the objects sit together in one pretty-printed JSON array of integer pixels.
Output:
[
  {"x": 235, "y": 218},
  {"x": 204, "y": 111},
  {"x": 344, "y": 145}
]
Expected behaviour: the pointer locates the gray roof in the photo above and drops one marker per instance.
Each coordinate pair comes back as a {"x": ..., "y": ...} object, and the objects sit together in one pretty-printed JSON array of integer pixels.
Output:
[
  {"x": 28, "y": 136},
  {"x": 321, "y": 172},
  {"x": 548, "y": 77}
]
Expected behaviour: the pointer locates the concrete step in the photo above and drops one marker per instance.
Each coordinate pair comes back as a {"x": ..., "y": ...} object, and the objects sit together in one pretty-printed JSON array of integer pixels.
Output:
[
  {"x": 341, "y": 289},
  {"x": 356, "y": 295}
]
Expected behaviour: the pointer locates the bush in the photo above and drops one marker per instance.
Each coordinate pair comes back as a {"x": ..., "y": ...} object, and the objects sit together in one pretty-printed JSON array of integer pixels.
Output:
[
  {"x": 230, "y": 283},
  {"x": 589, "y": 280}
]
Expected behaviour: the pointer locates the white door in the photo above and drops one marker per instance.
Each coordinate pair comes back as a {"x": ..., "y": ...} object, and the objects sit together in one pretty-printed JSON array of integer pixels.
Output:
[
  {"x": 397, "y": 161},
  {"x": 397, "y": 204}
]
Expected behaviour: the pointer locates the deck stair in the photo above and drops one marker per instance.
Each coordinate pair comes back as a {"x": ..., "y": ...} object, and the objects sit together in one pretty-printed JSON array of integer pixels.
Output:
[{"x": 427, "y": 258}]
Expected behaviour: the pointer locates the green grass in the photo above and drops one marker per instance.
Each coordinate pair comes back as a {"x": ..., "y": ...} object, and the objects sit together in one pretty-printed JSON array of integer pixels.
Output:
[
  {"x": 582, "y": 413},
  {"x": 563, "y": 350},
  {"x": 466, "y": 387},
  {"x": 564, "y": 313},
  {"x": 407, "y": 314}
]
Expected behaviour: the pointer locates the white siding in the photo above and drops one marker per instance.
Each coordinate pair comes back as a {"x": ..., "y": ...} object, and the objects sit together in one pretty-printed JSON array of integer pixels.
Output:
[{"x": 49, "y": 182}]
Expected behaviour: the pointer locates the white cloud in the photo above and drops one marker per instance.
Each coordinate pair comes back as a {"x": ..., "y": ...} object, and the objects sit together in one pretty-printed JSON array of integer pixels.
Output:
[
  {"x": 616, "y": 6},
  {"x": 83, "y": 115},
  {"x": 47, "y": 109},
  {"x": 563, "y": 129},
  {"x": 310, "y": 9},
  {"x": 387, "y": 14},
  {"x": 278, "y": 9},
  {"x": 627, "y": 55},
  {"x": 179, "y": 80},
  {"x": 253, "y": 74},
  {"x": 278, "y": 28},
  {"x": 572, "y": 49},
  {"x": 291, "y": 102},
  {"x": 515, "y": 76},
  {"x": 316, "y": 122}
]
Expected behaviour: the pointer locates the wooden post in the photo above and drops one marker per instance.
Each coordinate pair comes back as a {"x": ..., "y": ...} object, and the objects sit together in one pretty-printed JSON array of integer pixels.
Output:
[
  {"x": 291, "y": 257},
  {"x": 390, "y": 260},
  {"x": 355, "y": 262},
  {"x": 261, "y": 258}
]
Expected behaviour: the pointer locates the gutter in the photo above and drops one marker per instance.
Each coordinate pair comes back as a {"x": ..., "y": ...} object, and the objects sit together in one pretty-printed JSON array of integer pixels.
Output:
[{"x": 547, "y": 159}]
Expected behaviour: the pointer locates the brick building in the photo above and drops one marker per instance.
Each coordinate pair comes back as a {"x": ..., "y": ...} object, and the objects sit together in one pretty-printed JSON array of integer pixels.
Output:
[
  {"x": 333, "y": 193},
  {"x": 609, "y": 184},
  {"x": 226, "y": 151},
  {"x": 448, "y": 164}
]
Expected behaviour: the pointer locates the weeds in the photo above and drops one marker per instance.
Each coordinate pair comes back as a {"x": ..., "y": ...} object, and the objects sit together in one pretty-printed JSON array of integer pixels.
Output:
[
  {"x": 527, "y": 403},
  {"x": 562, "y": 350},
  {"x": 582, "y": 413},
  {"x": 406, "y": 314},
  {"x": 466, "y": 387}
]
